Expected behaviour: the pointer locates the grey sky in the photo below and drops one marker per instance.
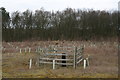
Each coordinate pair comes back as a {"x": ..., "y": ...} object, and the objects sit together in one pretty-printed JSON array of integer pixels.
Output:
[{"x": 49, "y": 5}]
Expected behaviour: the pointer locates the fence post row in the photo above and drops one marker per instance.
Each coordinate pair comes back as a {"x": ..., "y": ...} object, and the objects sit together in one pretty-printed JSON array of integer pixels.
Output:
[{"x": 25, "y": 50}]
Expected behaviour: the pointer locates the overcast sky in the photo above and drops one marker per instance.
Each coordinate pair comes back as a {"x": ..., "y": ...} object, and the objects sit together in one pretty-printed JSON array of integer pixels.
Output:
[{"x": 49, "y": 5}]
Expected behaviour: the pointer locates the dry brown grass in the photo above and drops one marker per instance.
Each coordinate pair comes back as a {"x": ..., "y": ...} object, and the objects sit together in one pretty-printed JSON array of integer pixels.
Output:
[{"x": 103, "y": 62}]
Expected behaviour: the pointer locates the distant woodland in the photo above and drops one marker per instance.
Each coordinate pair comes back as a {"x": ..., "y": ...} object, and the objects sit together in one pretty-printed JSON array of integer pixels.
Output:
[{"x": 69, "y": 24}]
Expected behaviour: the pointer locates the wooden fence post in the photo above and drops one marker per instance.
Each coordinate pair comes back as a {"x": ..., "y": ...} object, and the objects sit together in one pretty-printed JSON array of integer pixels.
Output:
[
  {"x": 53, "y": 64},
  {"x": 87, "y": 61},
  {"x": 84, "y": 63},
  {"x": 29, "y": 50},
  {"x": 75, "y": 58},
  {"x": 20, "y": 50},
  {"x": 30, "y": 64}
]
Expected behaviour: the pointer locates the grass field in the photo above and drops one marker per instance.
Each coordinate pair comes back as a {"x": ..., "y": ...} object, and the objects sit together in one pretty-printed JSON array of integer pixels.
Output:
[{"x": 103, "y": 61}]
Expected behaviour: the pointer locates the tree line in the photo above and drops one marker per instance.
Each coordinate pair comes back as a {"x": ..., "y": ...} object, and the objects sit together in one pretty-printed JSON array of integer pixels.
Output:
[{"x": 69, "y": 24}]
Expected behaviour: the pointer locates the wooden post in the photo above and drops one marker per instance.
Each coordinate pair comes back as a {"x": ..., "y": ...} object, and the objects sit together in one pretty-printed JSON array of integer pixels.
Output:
[
  {"x": 75, "y": 58},
  {"x": 20, "y": 50},
  {"x": 30, "y": 64},
  {"x": 84, "y": 63},
  {"x": 87, "y": 61},
  {"x": 29, "y": 50},
  {"x": 53, "y": 64}
]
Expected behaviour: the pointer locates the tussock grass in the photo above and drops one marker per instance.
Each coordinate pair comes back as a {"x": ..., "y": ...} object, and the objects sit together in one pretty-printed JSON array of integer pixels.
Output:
[{"x": 103, "y": 63}]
